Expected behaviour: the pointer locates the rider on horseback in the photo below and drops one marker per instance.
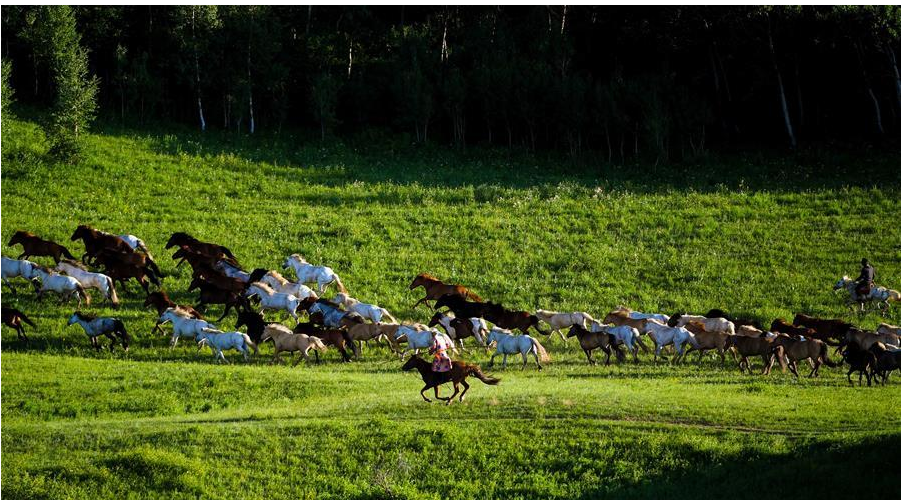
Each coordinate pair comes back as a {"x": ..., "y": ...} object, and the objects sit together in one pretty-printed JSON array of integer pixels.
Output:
[
  {"x": 865, "y": 280},
  {"x": 441, "y": 362}
]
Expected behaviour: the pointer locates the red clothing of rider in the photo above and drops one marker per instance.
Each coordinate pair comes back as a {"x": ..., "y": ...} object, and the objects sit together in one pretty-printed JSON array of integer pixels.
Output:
[{"x": 441, "y": 361}]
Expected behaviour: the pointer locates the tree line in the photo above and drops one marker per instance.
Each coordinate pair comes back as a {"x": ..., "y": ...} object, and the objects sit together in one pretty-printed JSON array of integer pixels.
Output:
[{"x": 622, "y": 83}]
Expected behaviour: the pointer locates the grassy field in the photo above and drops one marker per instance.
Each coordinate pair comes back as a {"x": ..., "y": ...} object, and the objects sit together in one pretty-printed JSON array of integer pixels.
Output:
[{"x": 752, "y": 235}]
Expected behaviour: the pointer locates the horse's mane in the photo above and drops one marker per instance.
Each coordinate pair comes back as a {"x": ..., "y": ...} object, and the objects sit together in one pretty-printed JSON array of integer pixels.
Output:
[
  {"x": 278, "y": 276},
  {"x": 428, "y": 276},
  {"x": 85, "y": 317},
  {"x": 73, "y": 263},
  {"x": 263, "y": 286}
]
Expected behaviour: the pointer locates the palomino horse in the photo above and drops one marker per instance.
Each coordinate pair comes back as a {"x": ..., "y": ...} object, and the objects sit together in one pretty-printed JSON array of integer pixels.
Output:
[
  {"x": 13, "y": 268},
  {"x": 88, "y": 279},
  {"x": 590, "y": 341},
  {"x": 371, "y": 312},
  {"x": 307, "y": 273},
  {"x": 65, "y": 286},
  {"x": 559, "y": 321},
  {"x": 881, "y": 295},
  {"x": 663, "y": 318},
  {"x": 456, "y": 375},
  {"x": 721, "y": 325},
  {"x": 507, "y": 343},
  {"x": 35, "y": 246},
  {"x": 111, "y": 328},
  {"x": 14, "y": 318},
  {"x": 435, "y": 289},
  {"x": 285, "y": 340}
]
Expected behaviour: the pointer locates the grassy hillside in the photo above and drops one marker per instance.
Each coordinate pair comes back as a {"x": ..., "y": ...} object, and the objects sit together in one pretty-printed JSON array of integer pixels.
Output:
[{"x": 758, "y": 236}]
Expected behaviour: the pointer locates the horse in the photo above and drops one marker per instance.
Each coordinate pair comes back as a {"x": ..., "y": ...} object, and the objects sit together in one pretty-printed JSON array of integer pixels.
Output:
[
  {"x": 65, "y": 286},
  {"x": 193, "y": 258},
  {"x": 37, "y": 247},
  {"x": 624, "y": 334},
  {"x": 285, "y": 340},
  {"x": 589, "y": 341},
  {"x": 111, "y": 328},
  {"x": 887, "y": 328},
  {"x": 182, "y": 325},
  {"x": 419, "y": 339},
  {"x": 232, "y": 271},
  {"x": 14, "y": 268},
  {"x": 708, "y": 341},
  {"x": 456, "y": 375},
  {"x": 280, "y": 284},
  {"x": 96, "y": 241},
  {"x": 255, "y": 324},
  {"x": 14, "y": 318},
  {"x": 270, "y": 299},
  {"x": 136, "y": 244},
  {"x": 887, "y": 360},
  {"x": 507, "y": 343},
  {"x": 796, "y": 349},
  {"x": 180, "y": 239},
  {"x": 160, "y": 301},
  {"x": 459, "y": 329},
  {"x": 371, "y": 312},
  {"x": 89, "y": 279},
  {"x": 865, "y": 339},
  {"x": 123, "y": 271},
  {"x": 364, "y": 332},
  {"x": 435, "y": 289},
  {"x": 831, "y": 329},
  {"x": 217, "y": 278},
  {"x": 461, "y": 307},
  {"x": 663, "y": 318},
  {"x": 752, "y": 346},
  {"x": 211, "y": 294},
  {"x": 881, "y": 295},
  {"x": 779, "y": 325},
  {"x": 664, "y": 335},
  {"x": 337, "y": 338},
  {"x": 558, "y": 321},
  {"x": 513, "y": 320},
  {"x": 721, "y": 325},
  {"x": 738, "y": 322},
  {"x": 219, "y": 341},
  {"x": 308, "y": 273},
  {"x": 859, "y": 360},
  {"x": 326, "y": 313},
  {"x": 622, "y": 318}
]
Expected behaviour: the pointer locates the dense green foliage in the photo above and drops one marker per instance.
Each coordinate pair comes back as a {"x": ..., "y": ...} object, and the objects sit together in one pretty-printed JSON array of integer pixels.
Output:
[
  {"x": 618, "y": 83},
  {"x": 741, "y": 234}
]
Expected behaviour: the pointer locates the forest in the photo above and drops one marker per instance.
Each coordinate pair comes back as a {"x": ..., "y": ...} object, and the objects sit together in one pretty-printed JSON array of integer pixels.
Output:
[{"x": 621, "y": 84}]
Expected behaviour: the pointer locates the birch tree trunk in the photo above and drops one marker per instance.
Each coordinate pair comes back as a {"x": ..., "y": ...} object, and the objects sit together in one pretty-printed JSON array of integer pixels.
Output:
[
  {"x": 894, "y": 69},
  {"x": 877, "y": 111},
  {"x": 197, "y": 71},
  {"x": 789, "y": 130}
]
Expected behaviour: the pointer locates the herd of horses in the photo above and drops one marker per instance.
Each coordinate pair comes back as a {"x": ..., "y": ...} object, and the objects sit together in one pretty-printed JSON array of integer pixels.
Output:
[{"x": 345, "y": 323}]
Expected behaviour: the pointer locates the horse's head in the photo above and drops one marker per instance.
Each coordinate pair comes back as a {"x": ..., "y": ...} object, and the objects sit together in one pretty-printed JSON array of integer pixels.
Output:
[
  {"x": 340, "y": 298},
  {"x": 842, "y": 283},
  {"x": 674, "y": 319},
  {"x": 412, "y": 363},
  {"x": 417, "y": 281},
  {"x": 177, "y": 239},
  {"x": 18, "y": 237},
  {"x": 576, "y": 330},
  {"x": 81, "y": 232},
  {"x": 436, "y": 318},
  {"x": 73, "y": 319}
]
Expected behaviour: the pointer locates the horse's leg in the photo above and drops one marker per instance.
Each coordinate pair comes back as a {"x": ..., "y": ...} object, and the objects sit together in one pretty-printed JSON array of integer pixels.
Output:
[
  {"x": 305, "y": 357},
  {"x": 504, "y": 364},
  {"x": 850, "y": 371},
  {"x": 456, "y": 390},
  {"x": 525, "y": 359},
  {"x": 422, "y": 393},
  {"x": 588, "y": 355},
  {"x": 793, "y": 367},
  {"x": 491, "y": 363},
  {"x": 436, "y": 394},
  {"x": 535, "y": 355},
  {"x": 465, "y": 388}
]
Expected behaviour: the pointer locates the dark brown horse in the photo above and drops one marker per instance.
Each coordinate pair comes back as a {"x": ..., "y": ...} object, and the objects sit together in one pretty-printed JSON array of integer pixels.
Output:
[
  {"x": 210, "y": 249},
  {"x": 719, "y": 313},
  {"x": 456, "y": 375},
  {"x": 37, "y": 247},
  {"x": 194, "y": 259},
  {"x": 513, "y": 320},
  {"x": 779, "y": 325},
  {"x": 122, "y": 272},
  {"x": 830, "y": 329},
  {"x": 108, "y": 257},
  {"x": 95, "y": 241},
  {"x": 590, "y": 341},
  {"x": 14, "y": 318},
  {"x": 461, "y": 307},
  {"x": 217, "y": 278},
  {"x": 435, "y": 288},
  {"x": 211, "y": 294},
  {"x": 338, "y": 338}
]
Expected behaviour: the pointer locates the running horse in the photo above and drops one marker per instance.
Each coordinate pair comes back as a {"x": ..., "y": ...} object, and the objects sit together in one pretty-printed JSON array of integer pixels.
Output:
[
  {"x": 880, "y": 295},
  {"x": 435, "y": 289},
  {"x": 32, "y": 245},
  {"x": 457, "y": 376}
]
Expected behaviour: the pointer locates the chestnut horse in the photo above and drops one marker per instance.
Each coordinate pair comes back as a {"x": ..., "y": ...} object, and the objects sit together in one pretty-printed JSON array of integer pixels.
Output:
[
  {"x": 14, "y": 318},
  {"x": 95, "y": 241},
  {"x": 435, "y": 288},
  {"x": 37, "y": 247},
  {"x": 456, "y": 375},
  {"x": 211, "y": 294}
]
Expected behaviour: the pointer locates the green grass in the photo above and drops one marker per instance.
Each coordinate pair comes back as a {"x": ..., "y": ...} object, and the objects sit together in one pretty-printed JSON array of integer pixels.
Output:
[{"x": 758, "y": 236}]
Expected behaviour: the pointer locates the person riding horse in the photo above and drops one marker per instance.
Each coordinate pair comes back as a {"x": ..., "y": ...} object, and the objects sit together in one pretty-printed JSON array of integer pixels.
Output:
[
  {"x": 442, "y": 362},
  {"x": 866, "y": 279}
]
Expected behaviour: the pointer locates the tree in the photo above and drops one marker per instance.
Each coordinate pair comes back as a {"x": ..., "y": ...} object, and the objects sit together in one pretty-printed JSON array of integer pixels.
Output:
[
  {"x": 324, "y": 100},
  {"x": 6, "y": 92},
  {"x": 76, "y": 90}
]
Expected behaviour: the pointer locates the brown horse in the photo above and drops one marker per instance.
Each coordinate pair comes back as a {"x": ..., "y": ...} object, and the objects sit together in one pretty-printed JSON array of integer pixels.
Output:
[
  {"x": 457, "y": 375},
  {"x": 194, "y": 259},
  {"x": 217, "y": 278},
  {"x": 435, "y": 288},
  {"x": 513, "y": 320},
  {"x": 122, "y": 272},
  {"x": 752, "y": 346},
  {"x": 829, "y": 329},
  {"x": 211, "y": 294},
  {"x": 339, "y": 339},
  {"x": 14, "y": 318},
  {"x": 37, "y": 247},
  {"x": 709, "y": 341},
  {"x": 210, "y": 249},
  {"x": 590, "y": 341},
  {"x": 95, "y": 241},
  {"x": 797, "y": 350},
  {"x": 107, "y": 257}
]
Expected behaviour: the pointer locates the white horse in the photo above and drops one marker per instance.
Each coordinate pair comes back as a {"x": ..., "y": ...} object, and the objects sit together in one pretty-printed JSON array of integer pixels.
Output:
[
  {"x": 219, "y": 341},
  {"x": 136, "y": 244},
  {"x": 663, "y": 318},
  {"x": 13, "y": 268},
  {"x": 95, "y": 327},
  {"x": 559, "y": 321},
  {"x": 183, "y": 325},
  {"x": 624, "y": 334},
  {"x": 664, "y": 335},
  {"x": 65, "y": 286},
  {"x": 88, "y": 279},
  {"x": 419, "y": 339},
  {"x": 270, "y": 299},
  {"x": 371, "y": 312},
  {"x": 478, "y": 326},
  {"x": 280, "y": 284},
  {"x": 878, "y": 294},
  {"x": 720, "y": 325},
  {"x": 507, "y": 343},
  {"x": 232, "y": 271},
  {"x": 308, "y": 273}
]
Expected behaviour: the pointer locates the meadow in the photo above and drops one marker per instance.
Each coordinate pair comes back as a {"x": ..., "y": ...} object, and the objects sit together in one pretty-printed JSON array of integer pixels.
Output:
[{"x": 755, "y": 235}]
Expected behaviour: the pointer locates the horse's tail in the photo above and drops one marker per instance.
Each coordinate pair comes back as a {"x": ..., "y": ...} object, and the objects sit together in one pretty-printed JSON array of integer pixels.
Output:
[
  {"x": 152, "y": 265},
  {"x": 151, "y": 275},
  {"x": 641, "y": 344},
  {"x": 340, "y": 285},
  {"x": 542, "y": 353},
  {"x": 586, "y": 318},
  {"x": 249, "y": 341},
  {"x": 894, "y": 296},
  {"x": 80, "y": 289},
  {"x": 472, "y": 296},
  {"x": 317, "y": 344},
  {"x": 25, "y": 318},
  {"x": 824, "y": 355},
  {"x": 476, "y": 372},
  {"x": 111, "y": 292}
]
